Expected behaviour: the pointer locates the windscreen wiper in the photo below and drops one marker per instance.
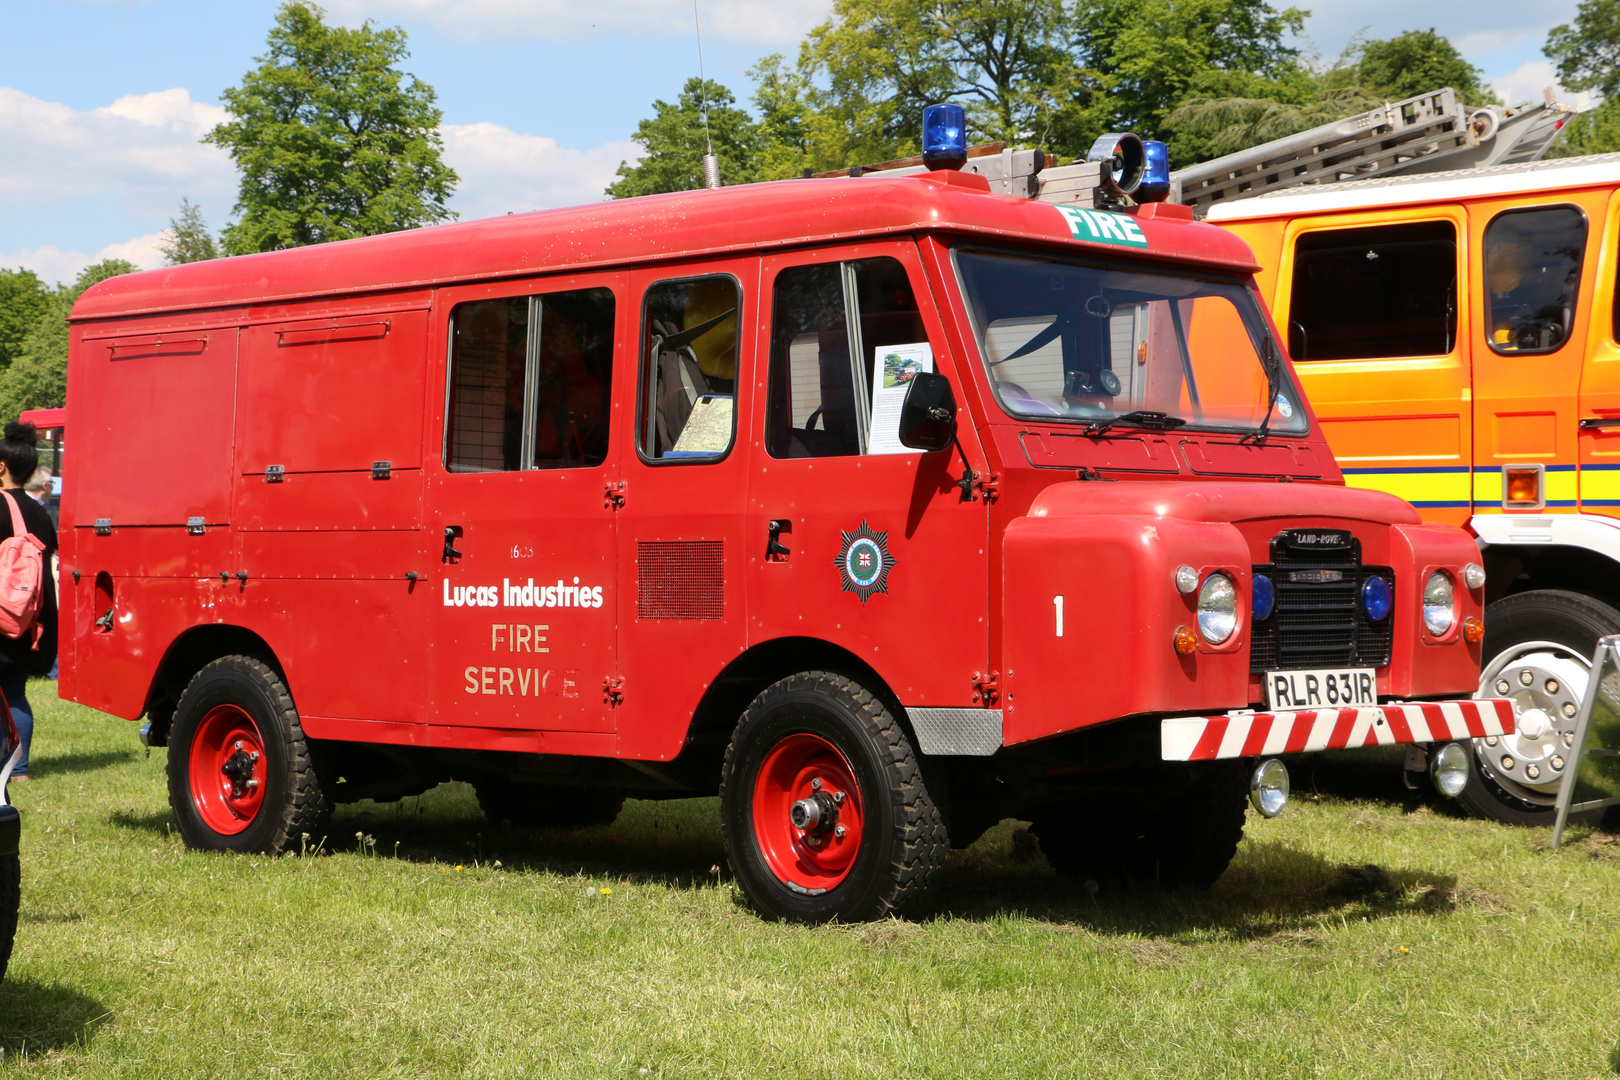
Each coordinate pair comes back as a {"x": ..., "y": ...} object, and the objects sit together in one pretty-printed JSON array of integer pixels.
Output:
[
  {"x": 1268, "y": 360},
  {"x": 1140, "y": 418}
]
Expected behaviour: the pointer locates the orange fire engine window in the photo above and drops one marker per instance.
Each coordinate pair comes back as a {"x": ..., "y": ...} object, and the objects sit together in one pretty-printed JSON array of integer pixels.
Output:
[
  {"x": 1533, "y": 277},
  {"x": 1383, "y": 291},
  {"x": 530, "y": 378}
]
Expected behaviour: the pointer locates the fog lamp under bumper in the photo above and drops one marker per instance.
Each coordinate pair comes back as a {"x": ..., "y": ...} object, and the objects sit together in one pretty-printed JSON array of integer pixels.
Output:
[
  {"x": 1448, "y": 769},
  {"x": 1242, "y": 734},
  {"x": 1268, "y": 787}
]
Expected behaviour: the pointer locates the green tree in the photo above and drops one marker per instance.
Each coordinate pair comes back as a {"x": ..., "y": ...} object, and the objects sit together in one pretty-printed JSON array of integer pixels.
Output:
[
  {"x": 332, "y": 139},
  {"x": 22, "y": 301},
  {"x": 1594, "y": 132},
  {"x": 1416, "y": 62},
  {"x": 189, "y": 239},
  {"x": 1149, "y": 56},
  {"x": 674, "y": 143},
  {"x": 1202, "y": 128},
  {"x": 1588, "y": 52},
  {"x": 37, "y": 378},
  {"x": 874, "y": 65},
  {"x": 786, "y": 116}
]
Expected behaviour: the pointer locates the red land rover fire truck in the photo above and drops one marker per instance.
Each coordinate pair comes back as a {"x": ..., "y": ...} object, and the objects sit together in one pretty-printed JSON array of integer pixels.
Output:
[{"x": 884, "y": 507}]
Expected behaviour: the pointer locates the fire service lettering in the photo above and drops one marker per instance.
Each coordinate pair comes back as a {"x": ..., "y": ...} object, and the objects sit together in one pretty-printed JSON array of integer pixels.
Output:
[
  {"x": 520, "y": 681},
  {"x": 507, "y": 594}
]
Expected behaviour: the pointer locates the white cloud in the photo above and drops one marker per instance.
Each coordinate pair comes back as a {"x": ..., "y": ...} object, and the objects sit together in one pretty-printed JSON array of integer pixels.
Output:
[
  {"x": 1527, "y": 83},
  {"x": 143, "y": 148},
  {"x": 502, "y": 170},
  {"x": 1491, "y": 41},
  {"x": 760, "y": 22},
  {"x": 54, "y": 265}
]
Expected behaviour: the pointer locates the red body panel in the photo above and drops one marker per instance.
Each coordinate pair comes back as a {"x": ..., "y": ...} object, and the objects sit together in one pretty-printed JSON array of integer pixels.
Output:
[{"x": 329, "y": 361}]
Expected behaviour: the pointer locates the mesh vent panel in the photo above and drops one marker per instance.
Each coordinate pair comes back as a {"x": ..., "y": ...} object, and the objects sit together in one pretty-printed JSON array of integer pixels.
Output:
[{"x": 680, "y": 579}]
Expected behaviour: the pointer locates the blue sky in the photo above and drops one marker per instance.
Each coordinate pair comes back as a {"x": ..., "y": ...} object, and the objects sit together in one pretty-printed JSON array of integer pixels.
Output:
[{"x": 102, "y": 101}]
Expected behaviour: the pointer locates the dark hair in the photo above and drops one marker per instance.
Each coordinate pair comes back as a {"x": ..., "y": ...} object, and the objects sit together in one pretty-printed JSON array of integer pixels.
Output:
[{"x": 19, "y": 451}]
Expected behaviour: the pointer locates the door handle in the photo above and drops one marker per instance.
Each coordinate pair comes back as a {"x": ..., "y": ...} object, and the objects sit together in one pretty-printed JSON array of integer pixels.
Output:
[
  {"x": 774, "y": 548},
  {"x": 1591, "y": 422},
  {"x": 452, "y": 533}
]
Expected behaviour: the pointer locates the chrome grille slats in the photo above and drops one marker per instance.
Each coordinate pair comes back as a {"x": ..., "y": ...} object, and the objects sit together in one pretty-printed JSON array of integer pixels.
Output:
[{"x": 1319, "y": 623}]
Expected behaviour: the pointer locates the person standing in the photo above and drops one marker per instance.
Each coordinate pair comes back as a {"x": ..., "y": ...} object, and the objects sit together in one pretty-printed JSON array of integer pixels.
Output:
[{"x": 22, "y": 657}]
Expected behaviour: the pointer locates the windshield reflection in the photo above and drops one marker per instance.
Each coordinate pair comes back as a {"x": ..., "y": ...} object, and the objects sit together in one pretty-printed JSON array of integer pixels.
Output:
[{"x": 1067, "y": 341}]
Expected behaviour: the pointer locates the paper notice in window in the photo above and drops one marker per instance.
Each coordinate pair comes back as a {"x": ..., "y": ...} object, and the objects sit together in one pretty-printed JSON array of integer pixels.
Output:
[
  {"x": 894, "y": 366},
  {"x": 708, "y": 429}
]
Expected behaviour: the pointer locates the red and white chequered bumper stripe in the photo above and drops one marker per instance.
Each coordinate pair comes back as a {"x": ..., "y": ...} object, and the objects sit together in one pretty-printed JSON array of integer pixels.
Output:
[{"x": 1206, "y": 738}]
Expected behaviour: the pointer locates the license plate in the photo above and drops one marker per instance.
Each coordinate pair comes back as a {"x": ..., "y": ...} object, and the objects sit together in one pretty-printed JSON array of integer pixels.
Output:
[{"x": 1329, "y": 688}]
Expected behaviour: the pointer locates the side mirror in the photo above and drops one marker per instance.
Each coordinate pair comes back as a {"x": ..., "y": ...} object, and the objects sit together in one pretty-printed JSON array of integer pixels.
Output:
[{"x": 928, "y": 416}]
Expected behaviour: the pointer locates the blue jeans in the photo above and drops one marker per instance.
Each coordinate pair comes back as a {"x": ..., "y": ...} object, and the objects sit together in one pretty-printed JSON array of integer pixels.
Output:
[{"x": 14, "y": 684}]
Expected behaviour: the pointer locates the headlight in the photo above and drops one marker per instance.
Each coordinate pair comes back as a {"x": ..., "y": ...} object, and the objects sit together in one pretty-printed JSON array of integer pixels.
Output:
[
  {"x": 1438, "y": 610},
  {"x": 1376, "y": 598},
  {"x": 1217, "y": 608},
  {"x": 1264, "y": 598}
]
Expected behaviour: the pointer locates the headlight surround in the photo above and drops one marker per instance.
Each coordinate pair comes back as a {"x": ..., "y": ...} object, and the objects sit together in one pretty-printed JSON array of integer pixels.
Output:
[
  {"x": 1439, "y": 604},
  {"x": 1217, "y": 608}
]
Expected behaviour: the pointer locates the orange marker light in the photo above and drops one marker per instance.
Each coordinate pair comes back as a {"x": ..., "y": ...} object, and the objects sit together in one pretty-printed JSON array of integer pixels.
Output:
[
  {"x": 1186, "y": 641},
  {"x": 1521, "y": 486},
  {"x": 1473, "y": 630}
]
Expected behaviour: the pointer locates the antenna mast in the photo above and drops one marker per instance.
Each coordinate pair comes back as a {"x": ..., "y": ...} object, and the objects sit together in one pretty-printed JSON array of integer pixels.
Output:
[{"x": 711, "y": 164}]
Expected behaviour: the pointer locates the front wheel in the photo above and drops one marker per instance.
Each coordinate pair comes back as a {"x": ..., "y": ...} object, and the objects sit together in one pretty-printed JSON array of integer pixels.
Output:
[
  {"x": 824, "y": 809},
  {"x": 240, "y": 774},
  {"x": 1538, "y": 649}
]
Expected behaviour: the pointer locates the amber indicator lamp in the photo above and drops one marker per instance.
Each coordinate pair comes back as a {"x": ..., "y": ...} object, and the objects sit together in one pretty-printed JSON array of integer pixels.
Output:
[{"x": 1522, "y": 487}]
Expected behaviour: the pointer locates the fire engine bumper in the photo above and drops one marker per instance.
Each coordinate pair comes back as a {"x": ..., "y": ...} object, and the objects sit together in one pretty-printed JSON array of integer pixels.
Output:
[{"x": 1250, "y": 734}]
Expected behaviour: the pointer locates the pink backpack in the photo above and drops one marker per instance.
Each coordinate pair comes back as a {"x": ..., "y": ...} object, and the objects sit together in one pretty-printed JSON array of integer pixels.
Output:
[{"x": 22, "y": 574}]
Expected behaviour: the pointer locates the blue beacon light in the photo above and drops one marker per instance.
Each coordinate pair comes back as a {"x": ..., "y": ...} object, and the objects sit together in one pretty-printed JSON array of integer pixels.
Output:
[
  {"x": 1263, "y": 598},
  {"x": 1155, "y": 185},
  {"x": 945, "y": 137},
  {"x": 1376, "y": 599}
]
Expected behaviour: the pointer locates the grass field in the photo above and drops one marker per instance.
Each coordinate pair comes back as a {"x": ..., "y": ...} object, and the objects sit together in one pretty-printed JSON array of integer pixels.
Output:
[{"x": 451, "y": 948}]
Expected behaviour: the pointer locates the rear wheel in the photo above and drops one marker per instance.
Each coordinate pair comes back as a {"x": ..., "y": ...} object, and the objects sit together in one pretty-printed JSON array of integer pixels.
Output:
[
  {"x": 548, "y": 806},
  {"x": 1185, "y": 837},
  {"x": 824, "y": 808},
  {"x": 1538, "y": 649},
  {"x": 10, "y": 901},
  {"x": 240, "y": 774}
]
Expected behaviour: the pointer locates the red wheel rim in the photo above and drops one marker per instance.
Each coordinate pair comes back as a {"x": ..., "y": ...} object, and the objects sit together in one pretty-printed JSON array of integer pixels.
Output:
[
  {"x": 227, "y": 769},
  {"x": 816, "y": 859}
]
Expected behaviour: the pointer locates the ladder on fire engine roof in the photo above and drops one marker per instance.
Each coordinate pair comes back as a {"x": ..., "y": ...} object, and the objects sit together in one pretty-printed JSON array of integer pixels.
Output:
[{"x": 1422, "y": 134}]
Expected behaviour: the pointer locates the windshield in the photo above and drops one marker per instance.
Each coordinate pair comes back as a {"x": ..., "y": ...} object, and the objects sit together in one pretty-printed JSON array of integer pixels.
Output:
[{"x": 1063, "y": 340}]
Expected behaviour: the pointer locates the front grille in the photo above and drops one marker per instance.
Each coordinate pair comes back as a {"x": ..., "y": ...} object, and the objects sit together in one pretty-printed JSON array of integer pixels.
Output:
[{"x": 1318, "y": 621}]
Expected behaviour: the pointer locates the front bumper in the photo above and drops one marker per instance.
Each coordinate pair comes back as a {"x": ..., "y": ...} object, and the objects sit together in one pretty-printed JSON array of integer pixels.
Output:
[
  {"x": 10, "y": 830},
  {"x": 1249, "y": 734}
]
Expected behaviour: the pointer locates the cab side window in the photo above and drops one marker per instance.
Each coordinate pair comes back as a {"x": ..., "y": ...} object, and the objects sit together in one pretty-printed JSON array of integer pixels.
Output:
[
  {"x": 689, "y": 369},
  {"x": 530, "y": 382},
  {"x": 834, "y": 383},
  {"x": 1533, "y": 277},
  {"x": 1370, "y": 293}
]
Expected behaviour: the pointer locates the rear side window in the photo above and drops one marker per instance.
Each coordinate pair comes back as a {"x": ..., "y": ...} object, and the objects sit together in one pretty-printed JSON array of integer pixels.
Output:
[
  {"x": 689, "y": 368},
  {"x": 835, "y": 388},
  {"x": 1533, "y": 277},
  {"x": 1383, "y": 291},
  {"x": 530, "y": 382}
]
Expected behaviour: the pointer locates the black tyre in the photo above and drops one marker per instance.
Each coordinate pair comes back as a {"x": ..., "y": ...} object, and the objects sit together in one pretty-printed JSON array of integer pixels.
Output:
[
  {"x": 824, "y": 809},
  {"x": 1184, "y": 837},
  {"x": 548, "y": 806},
  {"x": 10, "y": 902},
  {"x": 240, "y": 773},
  {"x": 1538, "y": 650}
]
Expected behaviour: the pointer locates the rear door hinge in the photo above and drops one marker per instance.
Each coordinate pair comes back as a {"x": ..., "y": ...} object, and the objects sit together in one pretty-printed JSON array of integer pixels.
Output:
[
  {"x": 986, "y": 687},
  {"x": 987, "y": 486},
  {"x": 613, "y": 689},
  {"x": 274, "y": 474},
  {"x": 613, "y": 494},
  {"x": 382, "y": 470}
]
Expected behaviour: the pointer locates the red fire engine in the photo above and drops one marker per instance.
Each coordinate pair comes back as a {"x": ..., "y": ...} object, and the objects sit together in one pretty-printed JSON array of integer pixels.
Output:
[{"x": 883, "y": 506}]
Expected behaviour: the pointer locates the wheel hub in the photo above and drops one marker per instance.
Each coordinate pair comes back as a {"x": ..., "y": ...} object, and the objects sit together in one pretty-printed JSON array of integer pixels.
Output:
[
  {"x": 227, "y": 769},
  {"x": 1546, "y": 682},
  {"x": 807, "y": 813}
]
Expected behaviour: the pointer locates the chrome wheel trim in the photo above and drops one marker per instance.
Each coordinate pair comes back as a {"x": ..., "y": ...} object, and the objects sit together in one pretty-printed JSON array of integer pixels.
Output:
[{"x": 1557, "y": 680}]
